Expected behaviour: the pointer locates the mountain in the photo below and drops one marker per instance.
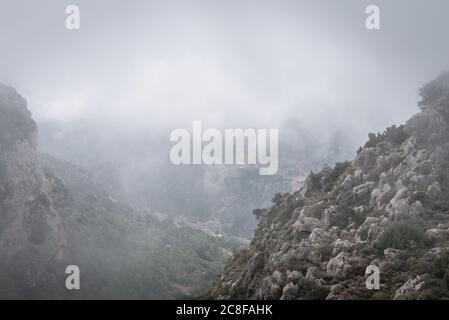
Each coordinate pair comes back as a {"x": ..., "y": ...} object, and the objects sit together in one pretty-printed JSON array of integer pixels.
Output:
[
  {"x": 388, "y": 208},
  {"x": 31, "y": 232},
  {"x": 54, "y": 214}
]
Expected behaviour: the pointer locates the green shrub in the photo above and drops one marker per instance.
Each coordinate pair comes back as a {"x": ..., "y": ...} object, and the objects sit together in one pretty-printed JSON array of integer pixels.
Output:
[
  {"x": 329, "y": 180},
  {"x": 309, "y": 290},
  {"x": 373, "y": 140},
  {"x": 278, "y": 198},
  {"x": 313, "y": 181},
  {"x": 259, "y": 212},
  {"x": 435, "y": 94},
  {"x": 364, "y": 232},
  {"x": 400, "y": 235},
  {"x": 440, "y": 267},
  {"x": 395, "y": 135},
  {"x": 343, "y": 216},
  {"x": 324, "y": 250}
]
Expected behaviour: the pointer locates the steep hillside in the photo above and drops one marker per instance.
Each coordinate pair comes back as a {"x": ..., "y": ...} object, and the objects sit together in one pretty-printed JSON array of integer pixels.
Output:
[
  {"x": 31, "y": 231},
  {"x": 389, "y": 207},
  {"x": 54, "y": 214}
]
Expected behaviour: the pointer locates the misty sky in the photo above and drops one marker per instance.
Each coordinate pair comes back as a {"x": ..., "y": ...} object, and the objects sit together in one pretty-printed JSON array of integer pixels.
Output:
[{"x": 146, "y": 67}]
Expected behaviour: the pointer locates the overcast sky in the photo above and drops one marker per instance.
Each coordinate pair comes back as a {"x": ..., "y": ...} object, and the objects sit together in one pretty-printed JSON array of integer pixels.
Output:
[{"x": 147, "y": 67}]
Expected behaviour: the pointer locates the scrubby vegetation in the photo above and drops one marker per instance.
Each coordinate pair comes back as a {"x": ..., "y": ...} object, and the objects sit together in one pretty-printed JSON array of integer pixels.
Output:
[
  {"x": 435, "y": 95},
  {"x": 386, "y": 208},
  {"x": 402, "y": 235}
]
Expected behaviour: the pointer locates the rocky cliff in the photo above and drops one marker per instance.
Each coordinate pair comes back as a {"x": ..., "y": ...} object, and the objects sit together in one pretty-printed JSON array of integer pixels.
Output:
[
  {"x": 389, "y": 207},
  {"x": 31, "y": 232}
]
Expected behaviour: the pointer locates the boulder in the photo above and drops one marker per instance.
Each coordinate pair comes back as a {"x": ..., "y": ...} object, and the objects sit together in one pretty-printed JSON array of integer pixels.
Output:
[
  {"x": 337, "y": 264},
  {"x": 290, "y": 292}
]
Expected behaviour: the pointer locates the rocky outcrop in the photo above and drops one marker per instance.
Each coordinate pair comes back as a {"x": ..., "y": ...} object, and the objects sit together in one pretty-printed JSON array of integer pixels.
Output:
[
  {"x": 31, "y": 232},
  {"x": 389, "y": 207}
]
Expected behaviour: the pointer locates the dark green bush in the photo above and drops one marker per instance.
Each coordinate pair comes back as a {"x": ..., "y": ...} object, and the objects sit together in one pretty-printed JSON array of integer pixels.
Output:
[
  {"x": 324, "y": 250},
  {"x": 258, "y": 212},
  {"x": 373, "y": 140},
  {"x": 309, "y": 290},
  {"x": 435, "y": 94},
  {"x": 343, "y": 216},
  {"x": 364, "y": 232},
  {"x": 329, "y": 180},
  {"x": 313, "y": 181},
  {"x": 395, "y": 135},
  {"x": 400, "y": 235},
  {"x": 278, "y": 198}
]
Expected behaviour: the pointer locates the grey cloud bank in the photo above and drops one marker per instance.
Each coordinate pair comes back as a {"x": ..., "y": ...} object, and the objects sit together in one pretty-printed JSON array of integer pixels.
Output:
[
  {"x": 115, "y": 89},
  {"x": 246, "y": 63}
]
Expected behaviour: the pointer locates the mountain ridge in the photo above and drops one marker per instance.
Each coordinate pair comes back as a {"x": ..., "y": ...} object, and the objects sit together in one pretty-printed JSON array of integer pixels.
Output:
[{"x": 387, "y": 208}]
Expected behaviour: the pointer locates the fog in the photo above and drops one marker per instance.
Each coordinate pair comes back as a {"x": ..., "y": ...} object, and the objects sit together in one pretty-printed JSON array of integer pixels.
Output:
[{"x": 115, "y": 89}]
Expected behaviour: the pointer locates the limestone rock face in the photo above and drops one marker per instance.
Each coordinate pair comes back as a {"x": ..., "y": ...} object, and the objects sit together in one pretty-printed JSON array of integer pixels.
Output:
[
  {"x": 31, "y": 232},
  {"x": 389, "y": 207}
]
